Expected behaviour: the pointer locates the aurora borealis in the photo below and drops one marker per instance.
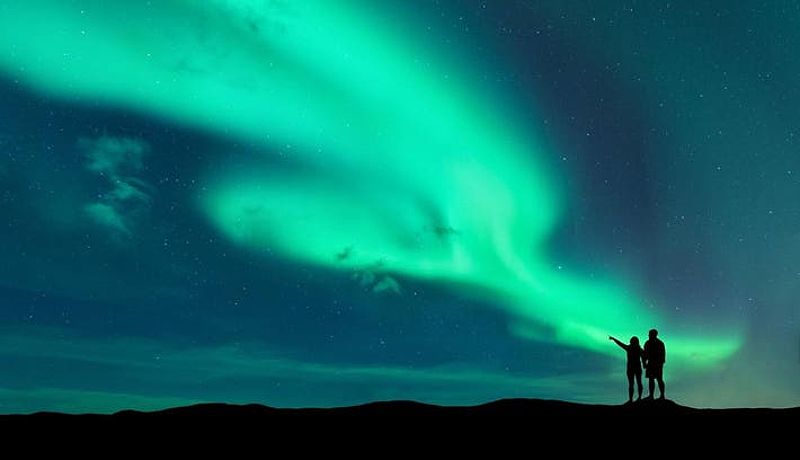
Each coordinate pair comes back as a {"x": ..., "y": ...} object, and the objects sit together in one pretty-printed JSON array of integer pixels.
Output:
[{"x": 316, "y": 202}]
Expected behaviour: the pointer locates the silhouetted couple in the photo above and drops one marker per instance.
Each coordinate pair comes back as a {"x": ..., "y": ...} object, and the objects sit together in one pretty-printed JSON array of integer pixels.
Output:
[{"x": 653, "y": 357}]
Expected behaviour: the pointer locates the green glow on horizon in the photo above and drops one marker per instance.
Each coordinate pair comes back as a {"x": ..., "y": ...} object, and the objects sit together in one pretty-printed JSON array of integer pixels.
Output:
[{"x": 406, "y": 165}]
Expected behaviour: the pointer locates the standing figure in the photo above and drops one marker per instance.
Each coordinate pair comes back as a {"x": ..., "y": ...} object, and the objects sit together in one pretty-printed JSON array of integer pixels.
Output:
[
  {"x": 654, "y": 357},
  {"x": 634, "y": 352}
]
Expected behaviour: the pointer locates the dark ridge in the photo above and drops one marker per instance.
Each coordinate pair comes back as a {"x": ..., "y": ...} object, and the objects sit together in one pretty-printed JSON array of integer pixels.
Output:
[{"x": 533, "y": 408}]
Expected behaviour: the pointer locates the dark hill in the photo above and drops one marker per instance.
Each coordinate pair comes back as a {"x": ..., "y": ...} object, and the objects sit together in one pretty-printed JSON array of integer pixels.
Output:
[{"x": 533, "y": 408}]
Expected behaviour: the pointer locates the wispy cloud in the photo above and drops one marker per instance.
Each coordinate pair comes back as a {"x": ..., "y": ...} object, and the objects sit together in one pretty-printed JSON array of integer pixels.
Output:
[
  {"x": 114, "y": 156},
  {"x": 369, "y": 279},
  {"x": 118, "y": 161},
  {"x": 388, "y": 285},
  {"x": 107, "y": 216}
]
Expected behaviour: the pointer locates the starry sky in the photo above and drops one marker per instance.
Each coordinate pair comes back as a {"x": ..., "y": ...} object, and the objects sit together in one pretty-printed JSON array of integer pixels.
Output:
[{"x": 330, "y": 202}]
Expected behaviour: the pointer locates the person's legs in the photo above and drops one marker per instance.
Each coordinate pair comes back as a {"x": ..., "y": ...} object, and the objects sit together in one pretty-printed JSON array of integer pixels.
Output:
[
  {"x": 652, "y": 385},
  {"x": 630, "y": 386},
  {"x": 661, "y": 386},
  {"x": 639, "y": 384}
]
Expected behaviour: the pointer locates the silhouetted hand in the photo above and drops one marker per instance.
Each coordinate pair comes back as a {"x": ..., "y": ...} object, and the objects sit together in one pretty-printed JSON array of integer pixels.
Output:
[{"x": 610, "y": 338}]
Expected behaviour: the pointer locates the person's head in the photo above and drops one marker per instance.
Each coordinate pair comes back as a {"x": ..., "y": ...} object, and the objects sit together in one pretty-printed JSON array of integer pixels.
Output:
[
  {"x": 634, "y": 340},
  {"x": 653, "y": 333}
]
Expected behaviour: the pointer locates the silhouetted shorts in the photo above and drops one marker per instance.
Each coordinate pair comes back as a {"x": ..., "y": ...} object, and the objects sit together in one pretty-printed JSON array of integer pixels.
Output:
[
  {"x": 634, "y": 371},
  {"x": 655, "y": 371}
]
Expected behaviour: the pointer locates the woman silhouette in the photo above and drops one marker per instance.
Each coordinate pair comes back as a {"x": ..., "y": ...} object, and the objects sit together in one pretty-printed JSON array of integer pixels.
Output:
[{"x": 634, "y": 352}]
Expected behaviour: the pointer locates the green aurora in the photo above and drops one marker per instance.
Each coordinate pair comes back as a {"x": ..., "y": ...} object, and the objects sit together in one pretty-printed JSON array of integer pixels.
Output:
[{"x": 403, "y": 162}]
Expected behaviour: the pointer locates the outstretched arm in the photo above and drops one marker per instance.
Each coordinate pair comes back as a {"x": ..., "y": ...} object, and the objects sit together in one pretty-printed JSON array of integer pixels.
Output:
[{"x": 622, "y": 345}]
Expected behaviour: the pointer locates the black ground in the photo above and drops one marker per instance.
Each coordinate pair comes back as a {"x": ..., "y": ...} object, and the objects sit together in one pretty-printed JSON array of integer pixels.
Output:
[{"x": 526, "y": 408}]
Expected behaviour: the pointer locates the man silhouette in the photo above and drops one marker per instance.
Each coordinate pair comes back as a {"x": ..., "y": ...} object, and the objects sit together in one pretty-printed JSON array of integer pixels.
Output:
[{"x": 654, "y": 357}]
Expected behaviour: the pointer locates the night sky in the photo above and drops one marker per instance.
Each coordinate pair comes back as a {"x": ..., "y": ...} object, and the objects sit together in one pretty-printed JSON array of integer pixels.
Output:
[{"x": 330, "y": 202}]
